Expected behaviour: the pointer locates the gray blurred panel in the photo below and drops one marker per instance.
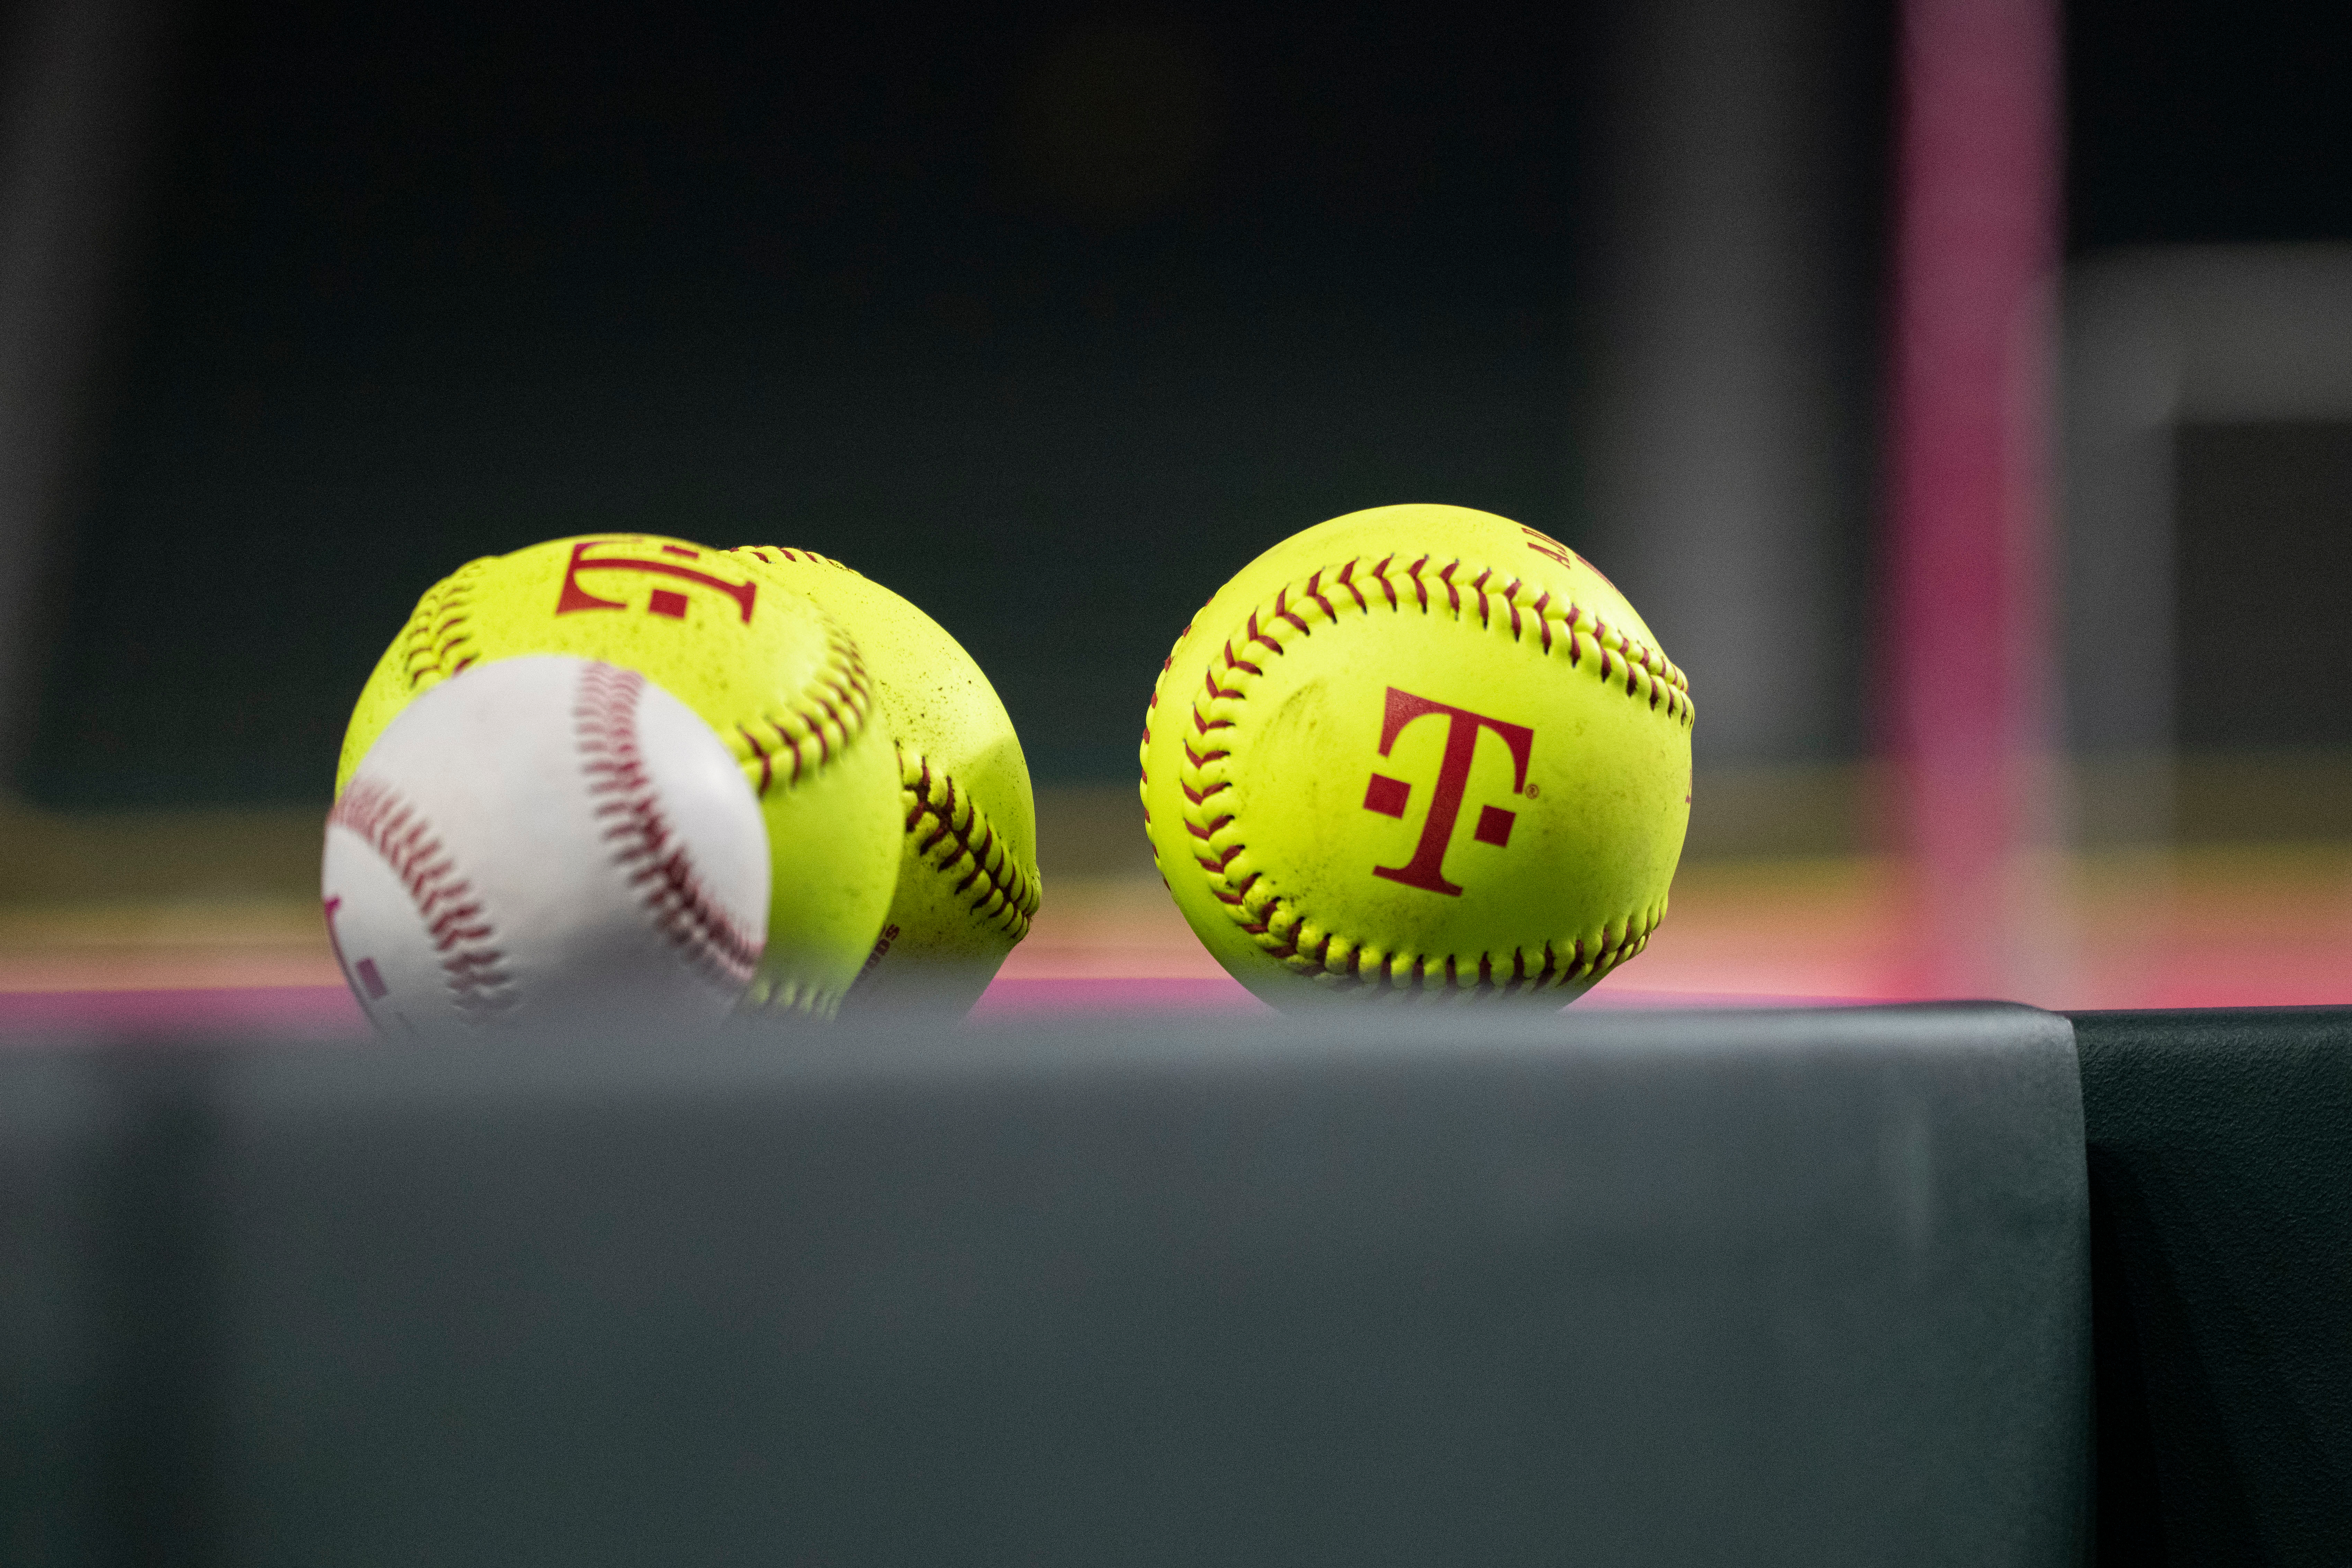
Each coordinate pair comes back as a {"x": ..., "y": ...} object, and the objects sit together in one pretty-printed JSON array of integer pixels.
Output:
[
  {"x": 106, "y": 1342},
  {"x": 54, "y": 1137},
  {"x": 1805, "y": 1288},
  {"x": 1726, "y": 442},
  {"x": 2157, "y": 338}
]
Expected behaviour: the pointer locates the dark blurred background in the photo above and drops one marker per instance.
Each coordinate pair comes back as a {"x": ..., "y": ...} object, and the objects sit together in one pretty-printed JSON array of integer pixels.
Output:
[
  {"x": 2197, "y": 124},
  {"x": 1048, "y": 318},
  {"x": 1051, "y": 317}
]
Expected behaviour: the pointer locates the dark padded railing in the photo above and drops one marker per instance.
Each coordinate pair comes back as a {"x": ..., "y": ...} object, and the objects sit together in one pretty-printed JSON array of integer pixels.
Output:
[
  {"x": 2220, "y": 1166},
  {"x": 1803, "y": 1288}
]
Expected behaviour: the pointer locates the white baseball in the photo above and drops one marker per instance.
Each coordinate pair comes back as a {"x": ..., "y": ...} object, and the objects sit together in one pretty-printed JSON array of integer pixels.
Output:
[{"x": 546, "y": 841}]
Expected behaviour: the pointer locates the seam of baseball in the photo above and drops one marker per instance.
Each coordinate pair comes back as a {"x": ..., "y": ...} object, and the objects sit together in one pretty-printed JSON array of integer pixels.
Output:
[
  {"x": 628, "y": 807},
  {"x": 454, "y": 917},
  {"x": 777, "y": 747},
  {"x": 963, "y": 843},
  {"x": 1302, "y": 946}
]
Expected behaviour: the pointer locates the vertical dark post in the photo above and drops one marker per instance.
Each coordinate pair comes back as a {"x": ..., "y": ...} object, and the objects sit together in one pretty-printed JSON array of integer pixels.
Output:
[{"x": 76, "y": 101}]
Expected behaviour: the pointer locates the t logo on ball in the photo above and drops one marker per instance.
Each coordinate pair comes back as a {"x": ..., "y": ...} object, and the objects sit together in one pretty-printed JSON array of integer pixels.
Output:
[
  {"x": 1387, "y": 796},
  {"x": 662, "y": 601}
]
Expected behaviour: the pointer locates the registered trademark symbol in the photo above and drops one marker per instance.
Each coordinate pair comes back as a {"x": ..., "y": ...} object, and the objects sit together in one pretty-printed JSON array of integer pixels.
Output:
[{"x": 1534, "y": 790}]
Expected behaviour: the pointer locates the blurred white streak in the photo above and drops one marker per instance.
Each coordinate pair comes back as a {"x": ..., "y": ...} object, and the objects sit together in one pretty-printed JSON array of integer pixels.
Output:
[
  {"x": 1720, "y": 457},
  {"x": 75, "y": 105}
]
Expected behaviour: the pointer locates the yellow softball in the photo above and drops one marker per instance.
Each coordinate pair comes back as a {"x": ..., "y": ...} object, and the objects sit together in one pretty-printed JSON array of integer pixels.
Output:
[
  {"x": 783, "y": 685},
  {"x": 967, "y": 876},
  {"x": 1418, "y": 749}
]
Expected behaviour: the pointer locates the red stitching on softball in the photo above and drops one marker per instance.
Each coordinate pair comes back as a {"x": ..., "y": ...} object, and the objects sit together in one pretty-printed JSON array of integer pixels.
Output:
[
  {"x": 997, "y": 889},
  {"x": 767, "y": 769},
  {"x": 1277, "y": 925},
  {"x": 436, "y": 629},
  {"x": 429, "y": 652},
  {"x": 1282, "y": 612}
]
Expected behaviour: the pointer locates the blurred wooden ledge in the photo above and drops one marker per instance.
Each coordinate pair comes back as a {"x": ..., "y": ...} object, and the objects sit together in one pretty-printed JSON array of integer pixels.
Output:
[
  {"x": 1781, "y": 812},
  {"x": 213, "y": 855},
  {"x": 139, "y": 945}
]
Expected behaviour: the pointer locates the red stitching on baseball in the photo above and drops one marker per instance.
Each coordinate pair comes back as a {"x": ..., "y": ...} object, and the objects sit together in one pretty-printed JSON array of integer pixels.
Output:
[
  {"x": 462, "y": 933},
  {"x": 624, "y": 798}
]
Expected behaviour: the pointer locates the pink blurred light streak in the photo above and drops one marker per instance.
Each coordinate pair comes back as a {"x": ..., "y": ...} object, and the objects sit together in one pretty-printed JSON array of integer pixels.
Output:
[{"x": 1965, "y": 611}]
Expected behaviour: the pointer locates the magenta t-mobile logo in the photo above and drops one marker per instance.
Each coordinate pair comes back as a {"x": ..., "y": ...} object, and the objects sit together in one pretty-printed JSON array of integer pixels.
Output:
[{"x": 1389, "y": 796}]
